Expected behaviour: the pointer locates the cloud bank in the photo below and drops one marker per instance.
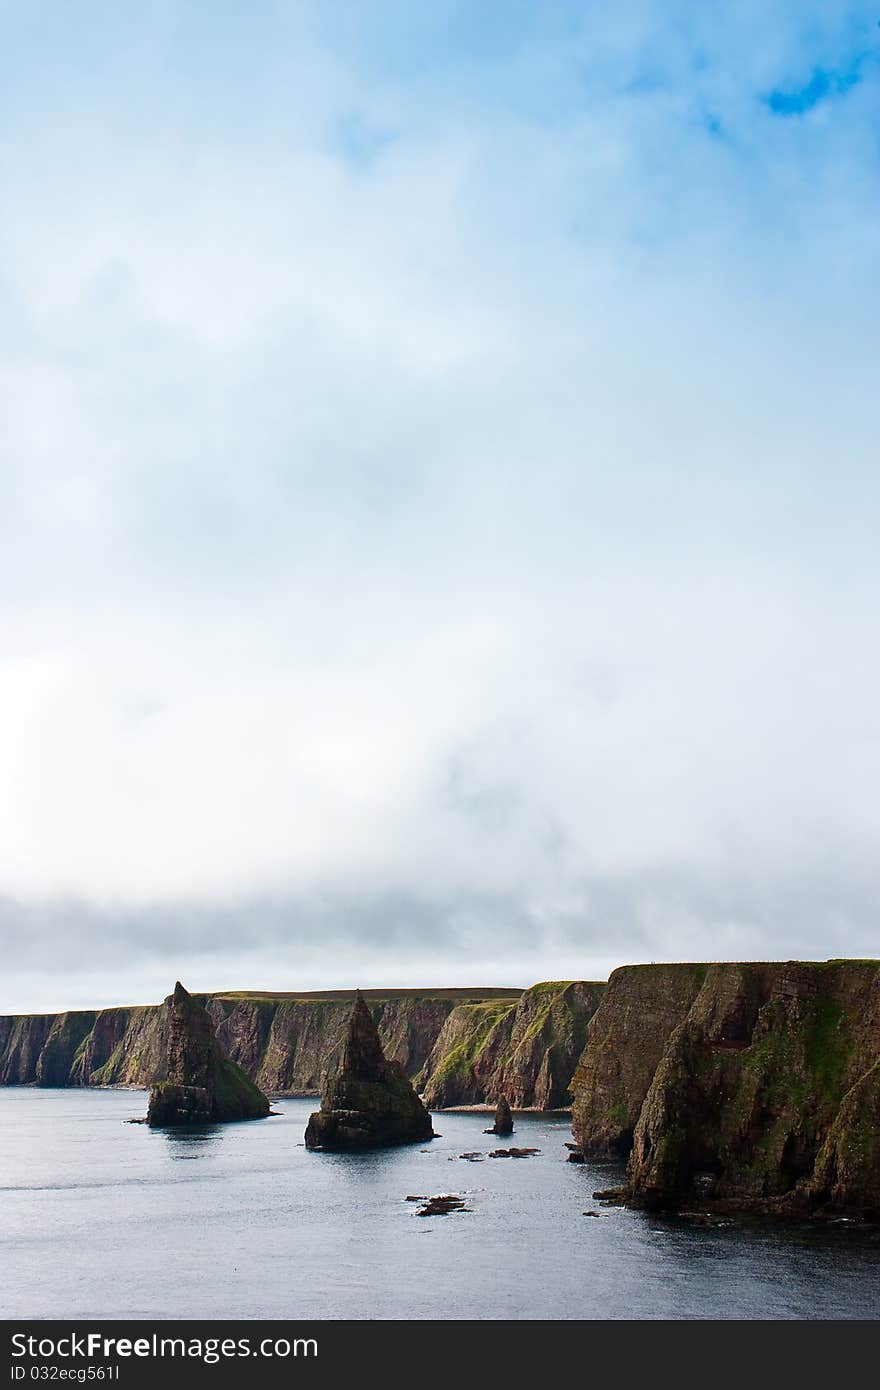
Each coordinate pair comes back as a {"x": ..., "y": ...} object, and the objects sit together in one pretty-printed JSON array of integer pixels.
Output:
[{"x": 438, "y": 495}]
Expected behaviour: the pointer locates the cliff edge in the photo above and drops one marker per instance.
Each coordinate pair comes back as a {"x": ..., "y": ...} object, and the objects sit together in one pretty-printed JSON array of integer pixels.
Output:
[
  {"x": 748, "y": 1085},
  {"x": 524, "y": 1050}
]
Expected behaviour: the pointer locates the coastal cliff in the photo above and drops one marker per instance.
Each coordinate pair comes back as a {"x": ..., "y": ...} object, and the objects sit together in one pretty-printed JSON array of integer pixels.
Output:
[
  {"x": 741, "y": 1086},
  {"x": 288, "y": 1046},
  {"x": 461, "y": 1047},
  {"x": 523, "y": 1050},
  {"x": 625, "y": 1040},
  {"x": 285, "y": 1044}
]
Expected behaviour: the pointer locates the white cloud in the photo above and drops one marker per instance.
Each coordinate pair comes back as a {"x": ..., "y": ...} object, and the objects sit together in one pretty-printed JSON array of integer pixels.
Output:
[{"x": 467, "y": 528}]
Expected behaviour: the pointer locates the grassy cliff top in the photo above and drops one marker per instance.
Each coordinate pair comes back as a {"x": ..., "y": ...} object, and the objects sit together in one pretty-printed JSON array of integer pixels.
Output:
[
  {"x": 465, "y": 995},
  {"x": 780, "y": 960},
  {"x": 474, "y": 992}
]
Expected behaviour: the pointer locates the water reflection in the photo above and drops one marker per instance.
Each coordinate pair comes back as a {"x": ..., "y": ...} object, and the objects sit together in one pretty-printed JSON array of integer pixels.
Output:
[
  {"x": 362, "y": 1166},
  {"x": 191, "y": 1141}
]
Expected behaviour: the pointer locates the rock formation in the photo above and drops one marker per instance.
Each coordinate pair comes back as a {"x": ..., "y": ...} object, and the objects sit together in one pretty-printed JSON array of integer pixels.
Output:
[
  {"x": 198, "y": 1083},
  {"x": 369, "y": 1103},
  {"x": 525, "y": 1049},
  {"x": 503, "y": 1119},
  {"x": 740, "y": 1086}
]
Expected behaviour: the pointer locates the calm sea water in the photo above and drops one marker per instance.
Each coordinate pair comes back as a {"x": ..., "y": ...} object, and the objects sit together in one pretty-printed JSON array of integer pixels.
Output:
[{"x": 103, "y": 1219}]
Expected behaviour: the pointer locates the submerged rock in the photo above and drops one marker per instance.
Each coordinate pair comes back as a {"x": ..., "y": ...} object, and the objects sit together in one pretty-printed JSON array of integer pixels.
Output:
[
  {"x": 513, "y": 1152},
  {"x": 200, "y": 1085},
  {"x": 503, "y": 1119},
  {"x": 369, "y": 1102},
  {"x": 441, "y": 1206}
]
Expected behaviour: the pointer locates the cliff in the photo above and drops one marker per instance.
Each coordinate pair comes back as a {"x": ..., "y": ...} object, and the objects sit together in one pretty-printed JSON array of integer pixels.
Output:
[
  {"x": 284, "y": 1043},
  {"x": 197, "y": 1083},
  {"x": 289, "y": 1045},
  {"x": 524, "y": 1050},
  {"x": 368, "y": 1103},
  {"x": 461, "y": 1046},
  {"x": 625, "y": 1040},
  {"x": 750, "y": 1086}
]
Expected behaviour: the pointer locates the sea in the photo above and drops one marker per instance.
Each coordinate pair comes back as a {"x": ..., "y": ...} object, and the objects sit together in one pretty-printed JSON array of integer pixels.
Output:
[{"x": 104, "y": 1219}]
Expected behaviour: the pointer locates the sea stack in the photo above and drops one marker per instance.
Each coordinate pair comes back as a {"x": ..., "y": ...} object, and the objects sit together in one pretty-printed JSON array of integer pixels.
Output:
[
  {"x": 369, "y": 1103},
  {"x": 199, "y": 1084},
  {"x": 503, "y": 1119}
]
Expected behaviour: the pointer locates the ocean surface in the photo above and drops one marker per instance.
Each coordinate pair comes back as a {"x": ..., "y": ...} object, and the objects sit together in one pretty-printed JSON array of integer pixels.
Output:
[{"x": 99, "y": 1218}]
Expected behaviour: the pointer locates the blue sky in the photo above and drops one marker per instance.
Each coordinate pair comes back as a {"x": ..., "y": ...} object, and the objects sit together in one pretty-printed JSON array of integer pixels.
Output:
[{"x": 439, "y": 492}]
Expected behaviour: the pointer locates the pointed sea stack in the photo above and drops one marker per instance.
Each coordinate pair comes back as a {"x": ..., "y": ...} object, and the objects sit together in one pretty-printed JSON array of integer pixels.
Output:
[
  {"x": 200, "y": 1084},
  {"x": 369, "y": 1103},
  {"x": 503, "y": 1119}
]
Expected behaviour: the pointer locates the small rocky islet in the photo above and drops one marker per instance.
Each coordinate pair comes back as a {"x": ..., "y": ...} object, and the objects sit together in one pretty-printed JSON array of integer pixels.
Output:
[
  {"x": 503, "y": 1123},
  {"x": 733, "y": 1087}
]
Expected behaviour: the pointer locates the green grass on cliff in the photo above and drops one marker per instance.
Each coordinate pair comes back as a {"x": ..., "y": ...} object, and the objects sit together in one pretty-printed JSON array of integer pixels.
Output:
[
  {"x": 817, "y": 1060},
  {"x": 459, "y": 1060},
  {"x": 548, "y": 995},
  {"x": 828, "y": 1048},
  {"x": 105, "y": 1074},
  {"x": 235, "y": 1093},
  {"x": 78, "y": 1055},
  {"x": 618, "y": 1114},
  {"x": 470, "y": 995}
]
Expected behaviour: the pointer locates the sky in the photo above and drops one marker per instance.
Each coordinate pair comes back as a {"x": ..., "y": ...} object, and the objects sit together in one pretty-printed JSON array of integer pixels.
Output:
[{"x": 438, "y": 491}]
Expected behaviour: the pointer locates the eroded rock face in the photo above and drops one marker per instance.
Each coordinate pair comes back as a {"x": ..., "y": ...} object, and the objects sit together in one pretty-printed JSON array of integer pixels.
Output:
[
  {"x": 22, "y": 1039},
  {"x": 625, "y": 1040},
  {"x": 846, "y": 1176},
  {"x": 525, "y": 1049},
  {"x": 289, "y": 1045},
  {"x": 765, "y": 1095},
  {"x": 369, "y": 1103},
  {"x": 198, "y": 1083}
]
